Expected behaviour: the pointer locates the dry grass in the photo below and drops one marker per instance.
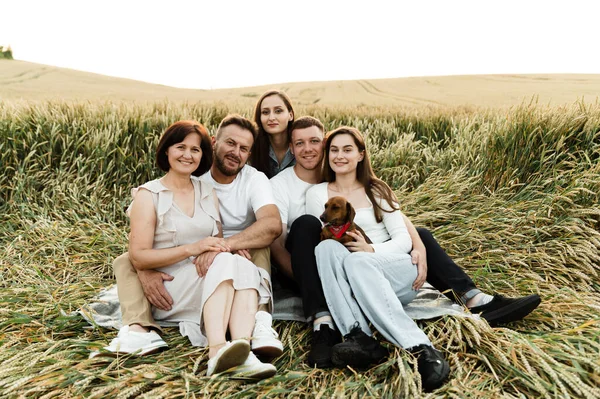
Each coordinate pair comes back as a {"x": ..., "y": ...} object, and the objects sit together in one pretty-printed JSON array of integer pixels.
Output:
[{"x": 512, "y": 195}]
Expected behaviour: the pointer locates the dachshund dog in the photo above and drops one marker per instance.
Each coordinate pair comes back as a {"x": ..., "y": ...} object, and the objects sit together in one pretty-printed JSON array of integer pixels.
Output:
[{"x": 339, "y": 218}]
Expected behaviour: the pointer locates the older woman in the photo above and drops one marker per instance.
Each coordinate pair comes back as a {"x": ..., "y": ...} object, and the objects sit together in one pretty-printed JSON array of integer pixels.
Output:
[{"x": 173, "y": 220}]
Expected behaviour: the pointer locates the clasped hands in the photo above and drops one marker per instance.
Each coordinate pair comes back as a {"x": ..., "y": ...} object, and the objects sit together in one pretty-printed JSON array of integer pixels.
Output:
[{"x": 207, "y": 249}]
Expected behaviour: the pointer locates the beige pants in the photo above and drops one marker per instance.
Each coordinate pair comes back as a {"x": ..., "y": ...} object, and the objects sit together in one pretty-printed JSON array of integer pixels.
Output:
[{"x": 135, "y": 308}]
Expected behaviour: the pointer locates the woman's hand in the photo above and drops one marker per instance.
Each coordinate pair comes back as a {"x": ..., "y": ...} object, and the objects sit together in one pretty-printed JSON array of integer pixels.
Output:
[
  {"x": 359, "y": 244},
  {"x": 209, "y": 244},
  {"x": 419, "y": 258}
]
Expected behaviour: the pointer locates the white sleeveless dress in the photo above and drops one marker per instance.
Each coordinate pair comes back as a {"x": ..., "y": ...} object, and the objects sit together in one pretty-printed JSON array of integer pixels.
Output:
[{"x": 190, "y": 291}]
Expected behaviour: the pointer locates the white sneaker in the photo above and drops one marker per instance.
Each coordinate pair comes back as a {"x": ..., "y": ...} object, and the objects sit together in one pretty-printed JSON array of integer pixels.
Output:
[
  {"x": 232, "y": 354},
  {"x": 139, "y": 343},
  {"x": 265, "y": 340},
  {"x": 254, "y": 368}
]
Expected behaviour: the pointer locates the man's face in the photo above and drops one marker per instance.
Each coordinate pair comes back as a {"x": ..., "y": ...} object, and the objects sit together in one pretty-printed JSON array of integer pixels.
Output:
[
  {"x": 232, "y": 149},
  {"x": 307, "y": 147}
]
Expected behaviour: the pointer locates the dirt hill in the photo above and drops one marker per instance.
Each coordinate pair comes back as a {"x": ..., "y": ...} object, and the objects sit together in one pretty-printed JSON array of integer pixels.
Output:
[{"x": 20, "y": 80}]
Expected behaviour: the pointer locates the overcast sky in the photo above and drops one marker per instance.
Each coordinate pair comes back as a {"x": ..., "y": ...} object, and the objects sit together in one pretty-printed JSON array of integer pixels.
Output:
[{"x": 220, "y": 43}]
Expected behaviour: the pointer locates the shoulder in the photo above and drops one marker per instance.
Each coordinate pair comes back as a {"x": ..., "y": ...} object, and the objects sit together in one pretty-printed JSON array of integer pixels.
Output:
[
  {"x": 206, "y": 187},
  {"x": 286, "y": 175},
  {"x": 206, "y": 177},
  {"x": 250, "y": 175},
  {"x": 154, "y": 186},
  {"x": 318, "y": 189},
  {"x": 144, "y": 198}
]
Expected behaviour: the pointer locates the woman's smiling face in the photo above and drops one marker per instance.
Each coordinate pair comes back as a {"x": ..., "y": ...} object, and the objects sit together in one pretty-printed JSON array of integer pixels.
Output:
[
  {"x": 344, "y": 154},
  {"x": 184, "y": 157}
]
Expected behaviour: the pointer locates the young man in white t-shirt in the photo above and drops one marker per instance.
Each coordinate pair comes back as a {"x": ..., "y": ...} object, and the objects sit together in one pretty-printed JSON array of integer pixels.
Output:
[
  {"x": 250, "y": 222},
  {"x": 293, "y": 252}
]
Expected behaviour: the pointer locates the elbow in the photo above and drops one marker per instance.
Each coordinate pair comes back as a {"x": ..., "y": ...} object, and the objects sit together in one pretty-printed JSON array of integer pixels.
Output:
[
  {"x": 276, "y": 230},
  {"x": 135, "y": 261}
]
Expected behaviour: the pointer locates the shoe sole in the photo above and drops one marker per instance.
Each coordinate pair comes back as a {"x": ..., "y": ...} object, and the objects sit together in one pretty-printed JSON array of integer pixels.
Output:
[
  {"x": 255, "y": 375},
  {"x": 343, "y": 358},
  {"x": 320, "y": 364},
  {"x": 235, "y": 355},
  {"x": 138, "y": 352},
  {"x": 267, "y": 351},
  {"x": 513, "y": 312}
]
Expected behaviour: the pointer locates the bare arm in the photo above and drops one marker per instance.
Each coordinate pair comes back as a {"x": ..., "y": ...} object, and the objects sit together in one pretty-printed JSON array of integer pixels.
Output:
[
  {"x": 280, "y": 254},
  {"x": 261, "y": 233},
  {"x": 414, "y": 235},
  {"x": 418, "y": 254},
  {"x": 143, "y": 222}
]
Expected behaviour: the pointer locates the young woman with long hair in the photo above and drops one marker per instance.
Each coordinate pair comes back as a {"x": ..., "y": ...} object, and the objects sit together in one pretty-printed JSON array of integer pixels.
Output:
[
  {"x": 274, "y": 115},
  {"x": 366, "y": 282}
]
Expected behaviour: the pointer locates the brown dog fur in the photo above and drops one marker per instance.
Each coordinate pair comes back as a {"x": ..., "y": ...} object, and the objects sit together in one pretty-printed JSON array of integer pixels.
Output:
[{"x": 338, "y": 212}]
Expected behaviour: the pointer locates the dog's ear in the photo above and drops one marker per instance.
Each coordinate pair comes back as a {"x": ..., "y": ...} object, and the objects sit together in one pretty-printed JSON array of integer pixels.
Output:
[{"x": 350, "y": 213}]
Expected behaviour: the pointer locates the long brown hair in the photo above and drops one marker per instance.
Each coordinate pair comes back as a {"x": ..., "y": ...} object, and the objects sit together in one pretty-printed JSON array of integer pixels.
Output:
[
  {"x": 364, "y": 172},
  {"x": 259, "y": 158}
]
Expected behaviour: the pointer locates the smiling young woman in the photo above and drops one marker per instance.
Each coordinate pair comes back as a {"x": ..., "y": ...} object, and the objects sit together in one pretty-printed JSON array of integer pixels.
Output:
[{"x": 368, "y": 283}]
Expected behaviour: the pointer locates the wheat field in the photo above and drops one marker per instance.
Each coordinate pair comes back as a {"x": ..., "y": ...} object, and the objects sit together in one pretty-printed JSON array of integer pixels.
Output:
[
  {"x": 25, "y": 81},
  {"x": 512, "y": 194}
]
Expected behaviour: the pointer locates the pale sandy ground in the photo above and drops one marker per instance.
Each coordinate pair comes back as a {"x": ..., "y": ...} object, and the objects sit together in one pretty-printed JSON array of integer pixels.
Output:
[{"x": 21, "y": 80}]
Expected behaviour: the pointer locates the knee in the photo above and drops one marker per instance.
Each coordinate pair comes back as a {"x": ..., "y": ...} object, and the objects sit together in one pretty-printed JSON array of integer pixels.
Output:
[
  {"x": 356, "y": 263},
  {"x": 122, "y": 264},
  {"x": 327, "y": 246},
  {"x": 308, "y": 224}
]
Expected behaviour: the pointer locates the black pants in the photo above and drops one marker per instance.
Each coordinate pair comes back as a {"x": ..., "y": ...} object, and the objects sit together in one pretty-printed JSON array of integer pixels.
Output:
[
  {"x": 442, "y": 273},
  {"x": 304, "y": 236}
]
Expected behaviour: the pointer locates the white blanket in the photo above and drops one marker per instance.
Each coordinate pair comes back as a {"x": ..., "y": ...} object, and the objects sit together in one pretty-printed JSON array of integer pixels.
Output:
[{"x": 105, "y": 310}]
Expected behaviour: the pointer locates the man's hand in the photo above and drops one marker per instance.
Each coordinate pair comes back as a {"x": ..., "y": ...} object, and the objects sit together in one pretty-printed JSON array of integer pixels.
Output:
[
  {"x": 244, "y": 253},
  {"x": 203, "y": 262},
  {"x": 419, "y": 258},
  {"x": 154, "y": 288}
]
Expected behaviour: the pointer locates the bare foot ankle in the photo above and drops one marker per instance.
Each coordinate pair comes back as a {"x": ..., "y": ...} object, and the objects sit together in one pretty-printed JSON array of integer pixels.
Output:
[
  {"x": 138, "y": 328},
  {"x": 213, "y": 350}
]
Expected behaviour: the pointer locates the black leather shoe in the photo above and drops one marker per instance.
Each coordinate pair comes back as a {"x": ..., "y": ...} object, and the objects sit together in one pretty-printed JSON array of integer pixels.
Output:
[
  {"x": 434, "y": 369},
  {"x": 323, "y": 341},
  {"x": 358, "y": 350},
  {"x": 502, "y": 310}
]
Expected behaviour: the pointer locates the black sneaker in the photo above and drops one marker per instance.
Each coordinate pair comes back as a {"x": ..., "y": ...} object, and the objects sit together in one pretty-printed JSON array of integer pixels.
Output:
[
  {"x": 358, "y": 350},
  {"x": 323, "y": 341},
  {"x": 434, "y": 369},
  {"x": 502, "y": 310}
]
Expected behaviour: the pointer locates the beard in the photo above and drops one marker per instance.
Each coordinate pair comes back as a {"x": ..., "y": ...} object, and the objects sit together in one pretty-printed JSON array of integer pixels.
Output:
[{"x": 220, "y": 164}]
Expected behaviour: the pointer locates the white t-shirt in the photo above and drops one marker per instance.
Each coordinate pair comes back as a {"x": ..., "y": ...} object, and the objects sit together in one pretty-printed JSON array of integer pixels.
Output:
[
  {"x": 391, "y": 235},
  {"x": 290, "y": 195},
  {"x": 240, "y": 199}
]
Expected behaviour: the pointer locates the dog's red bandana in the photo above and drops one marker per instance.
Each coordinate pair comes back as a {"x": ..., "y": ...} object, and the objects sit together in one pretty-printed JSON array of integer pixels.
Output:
[{"x": 338, "y": 231}]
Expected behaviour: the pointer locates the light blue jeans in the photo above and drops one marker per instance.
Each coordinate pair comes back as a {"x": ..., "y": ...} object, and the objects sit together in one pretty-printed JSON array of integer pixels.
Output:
[{"x": 363, "y": 285}]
